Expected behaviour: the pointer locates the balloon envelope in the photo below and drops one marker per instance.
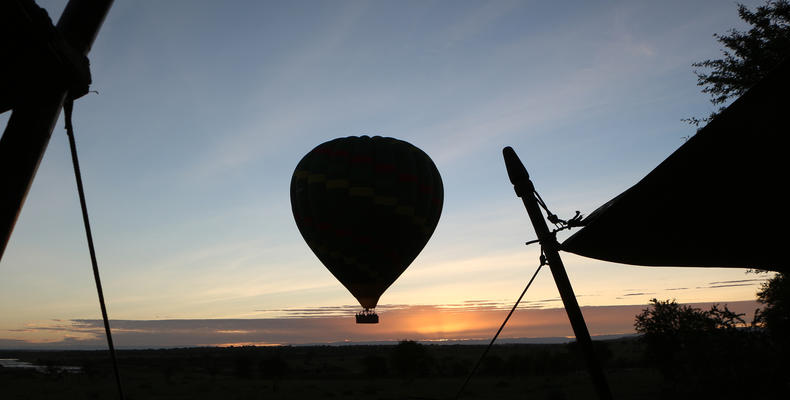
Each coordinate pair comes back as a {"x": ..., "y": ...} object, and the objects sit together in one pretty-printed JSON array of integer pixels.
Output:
[{"x": 366, "y": 206}]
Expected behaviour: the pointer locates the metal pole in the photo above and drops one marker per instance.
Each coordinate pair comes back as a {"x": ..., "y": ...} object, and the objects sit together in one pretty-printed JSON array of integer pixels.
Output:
[
  {"x": 28, "y": 131},
  {"x": 523, "y": 185}
]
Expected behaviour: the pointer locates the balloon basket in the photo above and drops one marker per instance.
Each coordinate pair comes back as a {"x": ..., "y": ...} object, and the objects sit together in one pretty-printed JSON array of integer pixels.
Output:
[{"x": 367, "y": 317}]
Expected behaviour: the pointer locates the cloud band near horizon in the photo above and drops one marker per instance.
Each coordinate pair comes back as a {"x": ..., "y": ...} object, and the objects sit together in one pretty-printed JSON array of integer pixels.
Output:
[{"x": 422, "y": 323}]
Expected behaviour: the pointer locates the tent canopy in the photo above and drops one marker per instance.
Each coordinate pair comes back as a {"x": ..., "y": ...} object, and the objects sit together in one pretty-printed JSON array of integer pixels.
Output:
[{"x": 720, "y": 200}]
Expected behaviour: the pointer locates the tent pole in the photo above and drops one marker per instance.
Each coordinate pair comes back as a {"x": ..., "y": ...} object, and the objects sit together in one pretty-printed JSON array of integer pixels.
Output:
[
  {"x": 30, "y": 126},
  {"x": 524, "y": 188}
]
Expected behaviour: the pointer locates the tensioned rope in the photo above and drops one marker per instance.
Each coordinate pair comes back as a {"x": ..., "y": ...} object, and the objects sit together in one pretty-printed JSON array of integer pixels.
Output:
[
  {"x": 482, "y": 356},
  {"x": 560, "y": 224},
  {"x": 68, "y": 105}
]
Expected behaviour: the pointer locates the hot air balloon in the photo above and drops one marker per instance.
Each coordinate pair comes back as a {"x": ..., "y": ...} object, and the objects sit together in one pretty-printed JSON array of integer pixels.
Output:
[{"x": 366, "y": 206}]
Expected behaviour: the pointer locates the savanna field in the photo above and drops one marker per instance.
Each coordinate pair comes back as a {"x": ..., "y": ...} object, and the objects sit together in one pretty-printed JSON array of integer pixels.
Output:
[{"x": 407, "y": 370}]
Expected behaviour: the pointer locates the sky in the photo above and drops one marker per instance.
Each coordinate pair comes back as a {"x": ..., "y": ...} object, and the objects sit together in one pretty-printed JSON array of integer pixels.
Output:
[{"x": 204, "y": 108}]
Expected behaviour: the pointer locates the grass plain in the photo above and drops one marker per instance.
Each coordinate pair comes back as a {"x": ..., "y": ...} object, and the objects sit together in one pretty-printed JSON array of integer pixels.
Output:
[{"x": 403, "y": 371}]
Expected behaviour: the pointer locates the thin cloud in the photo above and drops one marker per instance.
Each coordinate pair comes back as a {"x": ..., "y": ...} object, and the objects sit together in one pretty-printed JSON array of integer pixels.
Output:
[
  {"x": 476, "y": 22},
  {"x": 426, "y": 323},
  {"x": 737, "y": 281},
  {"x": 732, "y": 283},
  {"x": 638, "y": 294},
  {"x": 465, "y": 306}
]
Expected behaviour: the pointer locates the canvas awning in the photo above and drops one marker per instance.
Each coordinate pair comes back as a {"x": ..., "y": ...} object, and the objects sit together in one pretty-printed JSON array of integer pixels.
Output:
[{"x": 720, "y": 200}]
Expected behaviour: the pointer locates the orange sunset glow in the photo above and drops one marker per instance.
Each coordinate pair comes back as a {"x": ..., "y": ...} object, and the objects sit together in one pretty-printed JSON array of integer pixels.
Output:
[{"x": 423, "y": 323}]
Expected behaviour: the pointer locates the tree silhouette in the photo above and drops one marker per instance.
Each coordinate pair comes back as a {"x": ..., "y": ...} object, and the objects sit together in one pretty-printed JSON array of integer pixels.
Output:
[
  {"x": 675, "y": 333},
  {"x": 748, "y": 55},
  {"x": 775, "y": 316},
  {"x": 700, "y": 352}
]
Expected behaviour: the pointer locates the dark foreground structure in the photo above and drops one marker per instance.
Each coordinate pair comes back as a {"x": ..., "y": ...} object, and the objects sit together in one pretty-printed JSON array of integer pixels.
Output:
[{"x": 718, "y": 201}]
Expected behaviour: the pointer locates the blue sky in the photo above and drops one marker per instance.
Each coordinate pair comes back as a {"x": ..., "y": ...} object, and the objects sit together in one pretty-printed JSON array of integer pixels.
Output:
[{"x": 204, "y": 108}]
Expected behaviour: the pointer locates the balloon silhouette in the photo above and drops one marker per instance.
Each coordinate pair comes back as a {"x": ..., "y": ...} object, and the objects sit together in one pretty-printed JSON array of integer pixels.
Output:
[{"x": 366, "y": 206}]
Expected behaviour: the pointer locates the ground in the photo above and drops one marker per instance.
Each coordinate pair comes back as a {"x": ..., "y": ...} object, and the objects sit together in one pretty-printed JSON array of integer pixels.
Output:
[{"x": 336, "y": 372}]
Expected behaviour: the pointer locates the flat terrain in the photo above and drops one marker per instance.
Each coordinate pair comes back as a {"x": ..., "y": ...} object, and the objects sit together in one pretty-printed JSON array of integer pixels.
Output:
[{"x": 403, "y": 371}]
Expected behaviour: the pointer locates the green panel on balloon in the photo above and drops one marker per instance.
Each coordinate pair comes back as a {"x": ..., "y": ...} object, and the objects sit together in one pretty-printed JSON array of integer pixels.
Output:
[{"x": 366, "y": 206}]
